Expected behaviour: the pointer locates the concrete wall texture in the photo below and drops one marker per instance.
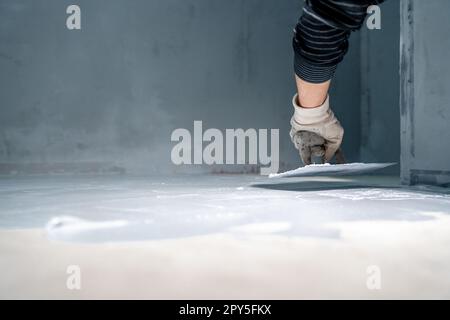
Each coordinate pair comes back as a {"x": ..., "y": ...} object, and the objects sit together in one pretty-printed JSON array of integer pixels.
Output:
[
  {"x": 108, "y": 96},
  {"x": 380, "y": 114},
  {"x": 425, "y": 96}
]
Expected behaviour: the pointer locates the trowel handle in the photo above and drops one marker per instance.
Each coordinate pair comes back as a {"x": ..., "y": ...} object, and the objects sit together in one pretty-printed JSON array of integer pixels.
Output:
[{"x": 340, "y": 158}]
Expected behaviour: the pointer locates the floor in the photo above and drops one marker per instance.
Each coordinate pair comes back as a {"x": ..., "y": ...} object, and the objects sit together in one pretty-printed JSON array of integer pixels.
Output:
[{"x": 223, "y": 237}]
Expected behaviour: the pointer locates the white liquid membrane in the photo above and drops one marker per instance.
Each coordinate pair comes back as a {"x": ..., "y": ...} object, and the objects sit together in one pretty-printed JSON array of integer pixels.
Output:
[
  {"x": 122, "y": 208},
  {"x": 332, "y": 169}
]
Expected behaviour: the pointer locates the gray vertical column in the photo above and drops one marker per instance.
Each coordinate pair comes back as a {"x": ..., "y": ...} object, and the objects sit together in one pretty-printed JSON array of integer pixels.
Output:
[
  {"x": 425, "y": 92},
  {"x": 406, "y": 88}
]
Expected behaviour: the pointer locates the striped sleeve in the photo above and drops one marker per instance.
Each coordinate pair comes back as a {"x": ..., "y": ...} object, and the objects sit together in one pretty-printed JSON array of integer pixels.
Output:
[{"x": 321, "y": 36}]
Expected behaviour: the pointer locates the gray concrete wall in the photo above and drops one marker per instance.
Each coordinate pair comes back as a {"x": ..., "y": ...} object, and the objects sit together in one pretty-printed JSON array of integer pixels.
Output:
[
  {"x": 425, "y": 95},
  {"x": 108, "y": 97},
  {"x": 380, "y": 114}
]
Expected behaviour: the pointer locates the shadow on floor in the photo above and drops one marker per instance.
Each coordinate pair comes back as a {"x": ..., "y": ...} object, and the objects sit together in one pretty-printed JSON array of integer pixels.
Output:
[
  {"x": 358, "y": 182},
  {"x": 322, "y": 185}
]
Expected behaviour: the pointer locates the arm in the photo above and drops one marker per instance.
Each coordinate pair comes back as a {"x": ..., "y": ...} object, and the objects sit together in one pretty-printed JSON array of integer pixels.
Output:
[{"x": 320, "y": 44}]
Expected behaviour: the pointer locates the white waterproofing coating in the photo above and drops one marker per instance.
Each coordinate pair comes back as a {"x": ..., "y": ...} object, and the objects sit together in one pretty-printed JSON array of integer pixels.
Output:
[
  {"x": 327, "y": 169},
  {"x": 122, "y": 208}
]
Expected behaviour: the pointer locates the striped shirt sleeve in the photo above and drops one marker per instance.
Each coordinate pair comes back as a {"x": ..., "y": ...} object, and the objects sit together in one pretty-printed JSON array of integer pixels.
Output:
[{"x": 321, "y": 36}]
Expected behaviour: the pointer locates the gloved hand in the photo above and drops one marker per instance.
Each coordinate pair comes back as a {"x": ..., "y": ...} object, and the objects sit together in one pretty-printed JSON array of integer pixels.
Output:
[
  {"x": 316, "y": 132},
  {"x": 309, "y": 145}
]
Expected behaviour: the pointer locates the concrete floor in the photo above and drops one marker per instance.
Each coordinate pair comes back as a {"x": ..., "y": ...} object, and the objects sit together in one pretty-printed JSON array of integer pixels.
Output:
[{"x": 216, "y": 236}]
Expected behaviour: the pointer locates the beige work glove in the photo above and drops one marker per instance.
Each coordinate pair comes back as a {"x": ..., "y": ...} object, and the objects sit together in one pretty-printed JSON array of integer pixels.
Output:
[{"x": 316, "y": 132}]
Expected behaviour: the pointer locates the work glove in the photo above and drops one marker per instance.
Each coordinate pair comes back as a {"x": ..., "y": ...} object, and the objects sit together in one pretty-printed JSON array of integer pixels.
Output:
[{"x": 316, "y": 132}]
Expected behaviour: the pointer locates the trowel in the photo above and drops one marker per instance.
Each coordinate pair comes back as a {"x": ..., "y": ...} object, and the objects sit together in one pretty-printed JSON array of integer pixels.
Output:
[{"x": 341, "y": 168}]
